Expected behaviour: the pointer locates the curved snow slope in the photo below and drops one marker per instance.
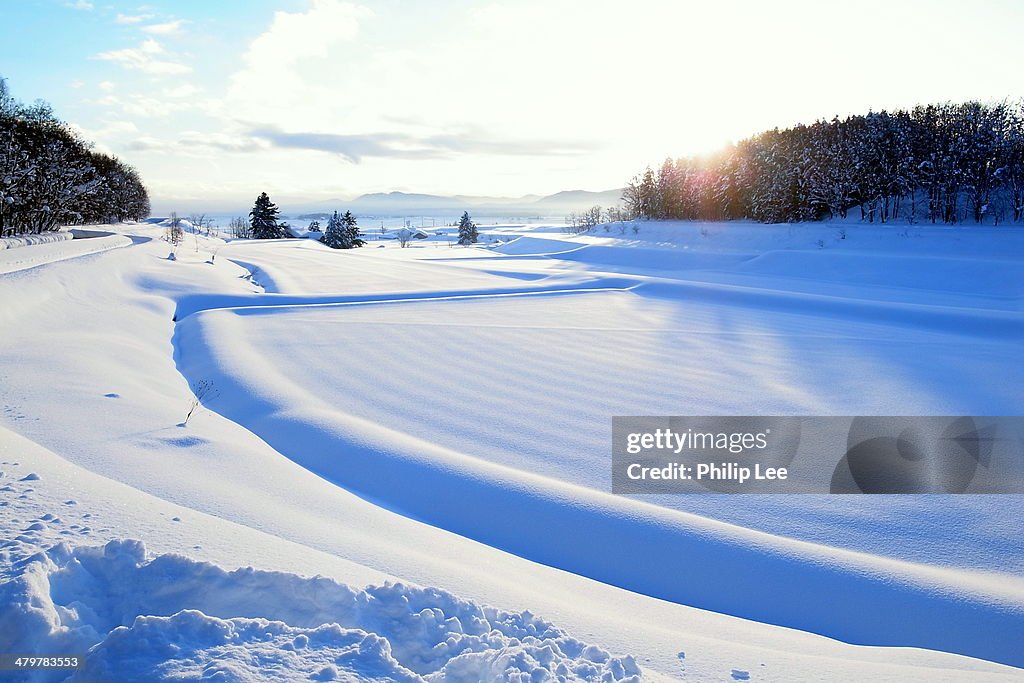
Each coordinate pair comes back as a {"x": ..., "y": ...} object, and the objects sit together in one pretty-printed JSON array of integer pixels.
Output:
[
  {"x": 33, "y": 255},
  {"x": 30, "y": 240},
  {"x": 301, "y": 410},
  {"x": 957, "y": 319},
  {"x": 192, "y": 303},
  {"x": 993, "y": 277},
  {"x": 311, "y": 268}
]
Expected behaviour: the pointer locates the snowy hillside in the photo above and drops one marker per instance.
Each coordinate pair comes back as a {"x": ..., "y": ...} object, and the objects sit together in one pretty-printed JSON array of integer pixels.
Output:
[{"x": 400, "y": 470}]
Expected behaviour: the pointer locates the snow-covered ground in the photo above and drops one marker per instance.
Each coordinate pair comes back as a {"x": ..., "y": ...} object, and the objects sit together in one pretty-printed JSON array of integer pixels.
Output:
[{"x": 392, "y": 419}]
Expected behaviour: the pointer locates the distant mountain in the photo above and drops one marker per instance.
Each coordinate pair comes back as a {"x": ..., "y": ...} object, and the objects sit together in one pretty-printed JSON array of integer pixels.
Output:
[
  {"x": 402, "y": 199},
  {"x": 408, "y": 202},
  {"x": 582, "y": 199}
]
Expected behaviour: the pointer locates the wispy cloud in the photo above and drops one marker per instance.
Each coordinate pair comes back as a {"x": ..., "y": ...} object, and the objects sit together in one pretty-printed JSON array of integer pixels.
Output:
[
  {"x": 166, "y": 28},
  {"x": 147, "y": 57},
  {"x": 356, "y": 147},
  {"x": 351, "y": 147},
  {"x": 133, "y": 18},
  {"x": 195, "y": 141},
  {"x": 83, "y": 5}
]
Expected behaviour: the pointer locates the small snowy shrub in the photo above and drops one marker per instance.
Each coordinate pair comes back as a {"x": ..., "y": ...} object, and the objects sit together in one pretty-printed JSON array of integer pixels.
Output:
[{"x": 203, "y": 390}]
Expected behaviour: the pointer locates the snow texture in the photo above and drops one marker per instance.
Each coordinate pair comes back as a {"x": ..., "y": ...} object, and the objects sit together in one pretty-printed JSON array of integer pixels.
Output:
[{"x": 170, "y": 617}]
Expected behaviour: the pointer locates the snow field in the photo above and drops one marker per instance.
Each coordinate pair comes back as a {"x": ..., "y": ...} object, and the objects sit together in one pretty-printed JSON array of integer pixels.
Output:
[{"x": 289, "y": 369}]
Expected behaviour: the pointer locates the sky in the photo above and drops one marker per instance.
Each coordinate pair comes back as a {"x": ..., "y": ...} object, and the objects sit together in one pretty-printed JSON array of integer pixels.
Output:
[{"x": 320, "y": 100}]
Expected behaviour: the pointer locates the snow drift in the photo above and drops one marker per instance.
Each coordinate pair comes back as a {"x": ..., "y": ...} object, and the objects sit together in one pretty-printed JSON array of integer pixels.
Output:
[
  {"x": 29, "y": 240},
  {"x": 169, "y": 617}
]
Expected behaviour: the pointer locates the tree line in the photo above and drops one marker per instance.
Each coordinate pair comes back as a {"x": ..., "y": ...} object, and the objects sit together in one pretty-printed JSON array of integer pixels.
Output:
[
  {"x": 342, "y": 231},
  {"x": 940, "y": 163},
  {"x": 50, "y": 176}
]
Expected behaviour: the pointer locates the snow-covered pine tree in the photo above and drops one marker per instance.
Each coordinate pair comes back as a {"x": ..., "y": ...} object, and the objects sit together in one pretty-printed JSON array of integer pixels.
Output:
[
  {"x": 264, "y": 219},
  {"x": 334, "y": 236},
  {"x": 467, "y": 230},
  {"x": 351, "y": 231}
]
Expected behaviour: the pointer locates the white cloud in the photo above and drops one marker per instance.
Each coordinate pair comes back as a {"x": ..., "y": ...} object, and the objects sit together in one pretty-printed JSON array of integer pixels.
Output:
[
  {"x": 165, "y": 29},
  {"x": 297, "y": 57},
  {"x": 109, "y": 134},
  {"x": 83, "y": 5},
  {"x": 181, "y": 91},
  {"x": 132, "y": 18},
  {"x": 296, "y": 36},
  {"x": 106, "y": 86},
  {"x": 146, "y": 58},
  {"x": 76, "y": 84}
]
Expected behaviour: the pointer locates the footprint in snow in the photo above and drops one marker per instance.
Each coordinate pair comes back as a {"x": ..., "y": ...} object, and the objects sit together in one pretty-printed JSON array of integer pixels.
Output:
[
  {"x": 175, "y": 519},
  {"x": 111, "y": 395},
  {"x": 738, "y": 675},
  {"x": 32, "y": 476},
  {"x": 71, "y": 502}
]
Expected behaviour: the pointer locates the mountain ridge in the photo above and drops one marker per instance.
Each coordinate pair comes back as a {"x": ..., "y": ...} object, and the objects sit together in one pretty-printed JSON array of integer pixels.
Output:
[{"x": 568, "y": 200}]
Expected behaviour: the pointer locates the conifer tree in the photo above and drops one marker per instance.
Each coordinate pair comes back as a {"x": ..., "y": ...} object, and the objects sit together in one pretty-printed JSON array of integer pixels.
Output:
[
  {"x": 334, "y": 236},
  {"x": 264, "y": 219},
  {"x": 342, "y": 232},
  {"x": 467, "y": 230},
  {"x": 351, "y": 231}
]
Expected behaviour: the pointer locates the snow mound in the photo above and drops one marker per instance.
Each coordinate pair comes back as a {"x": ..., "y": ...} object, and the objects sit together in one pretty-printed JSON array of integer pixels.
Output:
[
  {"x": 191, "y": 645},
  {"x": 28, "y": 240},
  {"x": 170, "y": 617}
]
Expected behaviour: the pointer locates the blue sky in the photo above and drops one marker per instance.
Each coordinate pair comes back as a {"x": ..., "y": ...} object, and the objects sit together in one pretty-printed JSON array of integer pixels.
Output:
[{"x": 319, "y": 99}]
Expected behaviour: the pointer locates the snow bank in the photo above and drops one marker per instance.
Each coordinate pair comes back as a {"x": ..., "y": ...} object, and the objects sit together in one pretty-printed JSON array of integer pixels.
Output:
[
  {"x": 53, "y": 250},
  {"x": 28, "y": 240},
  {"x": 169, "y": 617}
]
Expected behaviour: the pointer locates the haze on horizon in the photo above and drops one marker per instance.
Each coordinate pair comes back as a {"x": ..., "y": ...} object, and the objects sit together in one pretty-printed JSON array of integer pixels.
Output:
[{"x": 318, "y": 99}]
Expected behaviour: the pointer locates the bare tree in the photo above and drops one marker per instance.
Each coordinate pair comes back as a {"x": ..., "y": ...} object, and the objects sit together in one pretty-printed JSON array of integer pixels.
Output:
[
  {"x": 240, "y": 228},
  {"x": 174, "y": 234},
  {"x": 200, "y": 223}
]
